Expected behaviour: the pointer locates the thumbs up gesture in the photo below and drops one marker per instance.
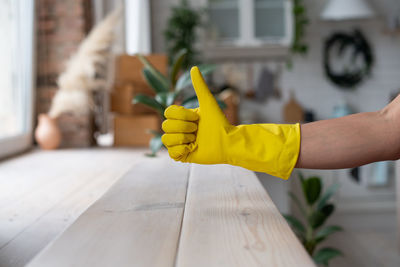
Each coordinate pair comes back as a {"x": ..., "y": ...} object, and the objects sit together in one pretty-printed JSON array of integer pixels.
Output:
[{"x": 204, "y": 135}]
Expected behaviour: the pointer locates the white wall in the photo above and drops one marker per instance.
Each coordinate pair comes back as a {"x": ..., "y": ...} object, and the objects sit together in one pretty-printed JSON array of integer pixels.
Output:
[{"x": 314, "y": 91}]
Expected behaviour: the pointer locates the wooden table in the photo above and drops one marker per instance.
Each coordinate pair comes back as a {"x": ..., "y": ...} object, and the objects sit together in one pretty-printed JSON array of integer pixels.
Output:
[{"x": 163, "y": 213}]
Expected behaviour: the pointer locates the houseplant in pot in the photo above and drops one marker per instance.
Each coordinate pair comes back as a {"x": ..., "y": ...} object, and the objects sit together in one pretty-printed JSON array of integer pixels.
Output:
[
  {"x": 170, "y": 89},
  {"x": 310, "y": 228}
]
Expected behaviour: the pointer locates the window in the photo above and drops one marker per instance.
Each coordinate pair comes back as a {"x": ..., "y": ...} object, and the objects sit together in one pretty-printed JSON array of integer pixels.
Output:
[
  {"x": 224, "y": 17},
  {"x": 16, "y": 75},
  {"x": 270, "y": 19},
  {"x": 251, "y": 22}
]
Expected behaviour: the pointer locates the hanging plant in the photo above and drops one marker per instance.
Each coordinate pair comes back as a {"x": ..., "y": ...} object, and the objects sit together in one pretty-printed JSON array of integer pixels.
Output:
[{"x": 300, "y": 22}]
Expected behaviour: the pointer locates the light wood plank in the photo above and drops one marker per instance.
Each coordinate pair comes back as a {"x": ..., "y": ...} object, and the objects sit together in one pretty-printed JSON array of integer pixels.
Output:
[
  {"x": 231, "y": 221},
  {"x": 43, "y": 192},
  {"x": 136, "y": 223},
  {"x": 33, "y": 238},
  {"x": 60, "y": 181}
]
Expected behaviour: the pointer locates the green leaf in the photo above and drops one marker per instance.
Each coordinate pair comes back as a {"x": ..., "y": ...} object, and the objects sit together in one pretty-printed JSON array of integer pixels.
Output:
[
  {"x": 297, "y": 201},
  {"x": 157, "y": 85},
  {"x": 192, "y": 102},
  {"x": 312, "y": 189},
  {"x": 171, "y": 98},
  {"x": 161, "y": 98},
  {"x": 301, "y": 176},
  {"x": 309, "y": 245},
  {"x": 325, "y": 232},
  {"x": 185, "y": 81},
  {"x": 189, "y": 99},
  {"x": 324, "y": 255},
  {"x": 328, "y": 209},
  {"x": 158, "y": 75},
  {"x": 148, "y": 101},
  {"x": 166, "y": 98},
  {"x": 177, "y": 66},
  {"x": 155, "y": 145},
  {"x": 221, "y": 104},
  {"x": 154, "y": 132},
  {"x": 296, "y": 224},
  {"x": 327, "y": 195},
  {"x": 317, "y": 219}
]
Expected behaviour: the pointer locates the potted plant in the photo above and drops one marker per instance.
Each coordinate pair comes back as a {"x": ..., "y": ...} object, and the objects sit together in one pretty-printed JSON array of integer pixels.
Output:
[
  {"x": 314, "y": 214},
  {"x": 169, "y": 90}
]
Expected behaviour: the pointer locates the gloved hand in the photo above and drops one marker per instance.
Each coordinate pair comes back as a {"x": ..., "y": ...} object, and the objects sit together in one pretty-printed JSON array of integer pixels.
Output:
[{"x": 204, "y": 135}]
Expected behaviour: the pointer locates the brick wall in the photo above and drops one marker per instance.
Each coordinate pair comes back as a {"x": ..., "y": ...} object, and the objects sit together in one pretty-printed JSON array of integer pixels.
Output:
[{"x": 61, "y": 26}]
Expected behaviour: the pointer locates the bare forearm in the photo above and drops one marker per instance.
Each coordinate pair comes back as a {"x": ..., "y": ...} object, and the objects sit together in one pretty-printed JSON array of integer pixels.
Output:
[{"x": 350, "y": 141}]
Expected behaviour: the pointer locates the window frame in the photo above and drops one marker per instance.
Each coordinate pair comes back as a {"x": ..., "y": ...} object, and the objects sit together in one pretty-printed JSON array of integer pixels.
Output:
[
  {"x": 247, "y": 46},
  {"x": 20, "y": 142},
  {"x": 246, "y": 26}
]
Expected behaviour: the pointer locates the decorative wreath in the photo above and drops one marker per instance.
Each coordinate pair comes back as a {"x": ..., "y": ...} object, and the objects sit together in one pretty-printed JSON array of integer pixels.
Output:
[{"x": 341, "y": 41}]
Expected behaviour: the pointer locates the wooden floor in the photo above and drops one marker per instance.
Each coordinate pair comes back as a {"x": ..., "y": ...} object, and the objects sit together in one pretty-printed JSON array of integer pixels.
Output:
[{"x": 42, "y": 193}]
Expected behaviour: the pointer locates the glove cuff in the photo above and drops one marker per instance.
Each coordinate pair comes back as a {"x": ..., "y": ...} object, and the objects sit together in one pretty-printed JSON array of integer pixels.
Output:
[
  {"x": 290, "y": 152},
  {"x": 269, "y": 148}
]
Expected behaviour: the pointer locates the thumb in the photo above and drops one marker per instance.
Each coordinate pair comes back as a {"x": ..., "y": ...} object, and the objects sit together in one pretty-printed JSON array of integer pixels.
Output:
[{"x": 203, "y": 93}]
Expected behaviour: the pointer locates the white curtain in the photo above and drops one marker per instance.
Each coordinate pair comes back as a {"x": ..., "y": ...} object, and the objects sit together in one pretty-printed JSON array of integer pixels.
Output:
[{"x": 137, "y": 26}]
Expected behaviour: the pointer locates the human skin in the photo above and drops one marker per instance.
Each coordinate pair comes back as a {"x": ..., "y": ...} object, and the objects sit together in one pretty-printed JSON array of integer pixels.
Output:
[{"x": 352, "y": 140}]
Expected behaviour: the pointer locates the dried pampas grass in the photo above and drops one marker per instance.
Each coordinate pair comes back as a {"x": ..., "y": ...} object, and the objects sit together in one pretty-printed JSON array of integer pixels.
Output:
[{"x": 86, "y": 70}]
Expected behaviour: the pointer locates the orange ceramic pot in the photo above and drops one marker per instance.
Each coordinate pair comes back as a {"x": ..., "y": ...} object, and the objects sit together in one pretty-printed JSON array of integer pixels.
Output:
[{"x": 47, "y": 133}]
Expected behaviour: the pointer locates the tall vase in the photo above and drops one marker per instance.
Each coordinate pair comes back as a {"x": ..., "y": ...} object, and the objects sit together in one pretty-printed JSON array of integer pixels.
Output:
[{"x": 47, "y": 133}]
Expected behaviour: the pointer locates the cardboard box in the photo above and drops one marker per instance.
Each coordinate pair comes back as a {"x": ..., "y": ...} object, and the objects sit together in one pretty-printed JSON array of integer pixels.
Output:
[
  {"x": 134, "y": 130},
  {"x": 121, "y": 100},
  {"x": 128, "y": 69}
]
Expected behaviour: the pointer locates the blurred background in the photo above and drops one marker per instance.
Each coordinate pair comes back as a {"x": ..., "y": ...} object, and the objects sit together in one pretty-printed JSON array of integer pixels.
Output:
[{"x": 80, "y": 74}]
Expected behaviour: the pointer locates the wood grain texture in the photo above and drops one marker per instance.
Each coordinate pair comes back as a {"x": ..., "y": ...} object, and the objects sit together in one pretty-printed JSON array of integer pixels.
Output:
[
  {"x": 136, "y": 223},
  {"x": 43, "y": 192},
  {"x": 231, "y": 221},
  {"x": 163, "y": 213}
]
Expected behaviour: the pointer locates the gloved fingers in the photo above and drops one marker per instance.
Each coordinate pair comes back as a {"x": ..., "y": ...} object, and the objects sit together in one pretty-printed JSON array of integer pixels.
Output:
[
  {"x": 180, "y": 113},
  {"x": 203, "y": 93},
  {"x": 178, "y": 152},
  {"x": 178, "y": 126},
  {"x": 177, "y": 139}
]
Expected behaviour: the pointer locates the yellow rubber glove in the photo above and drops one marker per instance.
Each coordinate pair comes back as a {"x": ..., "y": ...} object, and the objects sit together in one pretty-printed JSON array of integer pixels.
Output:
[{"x": 204, "y": 135}]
